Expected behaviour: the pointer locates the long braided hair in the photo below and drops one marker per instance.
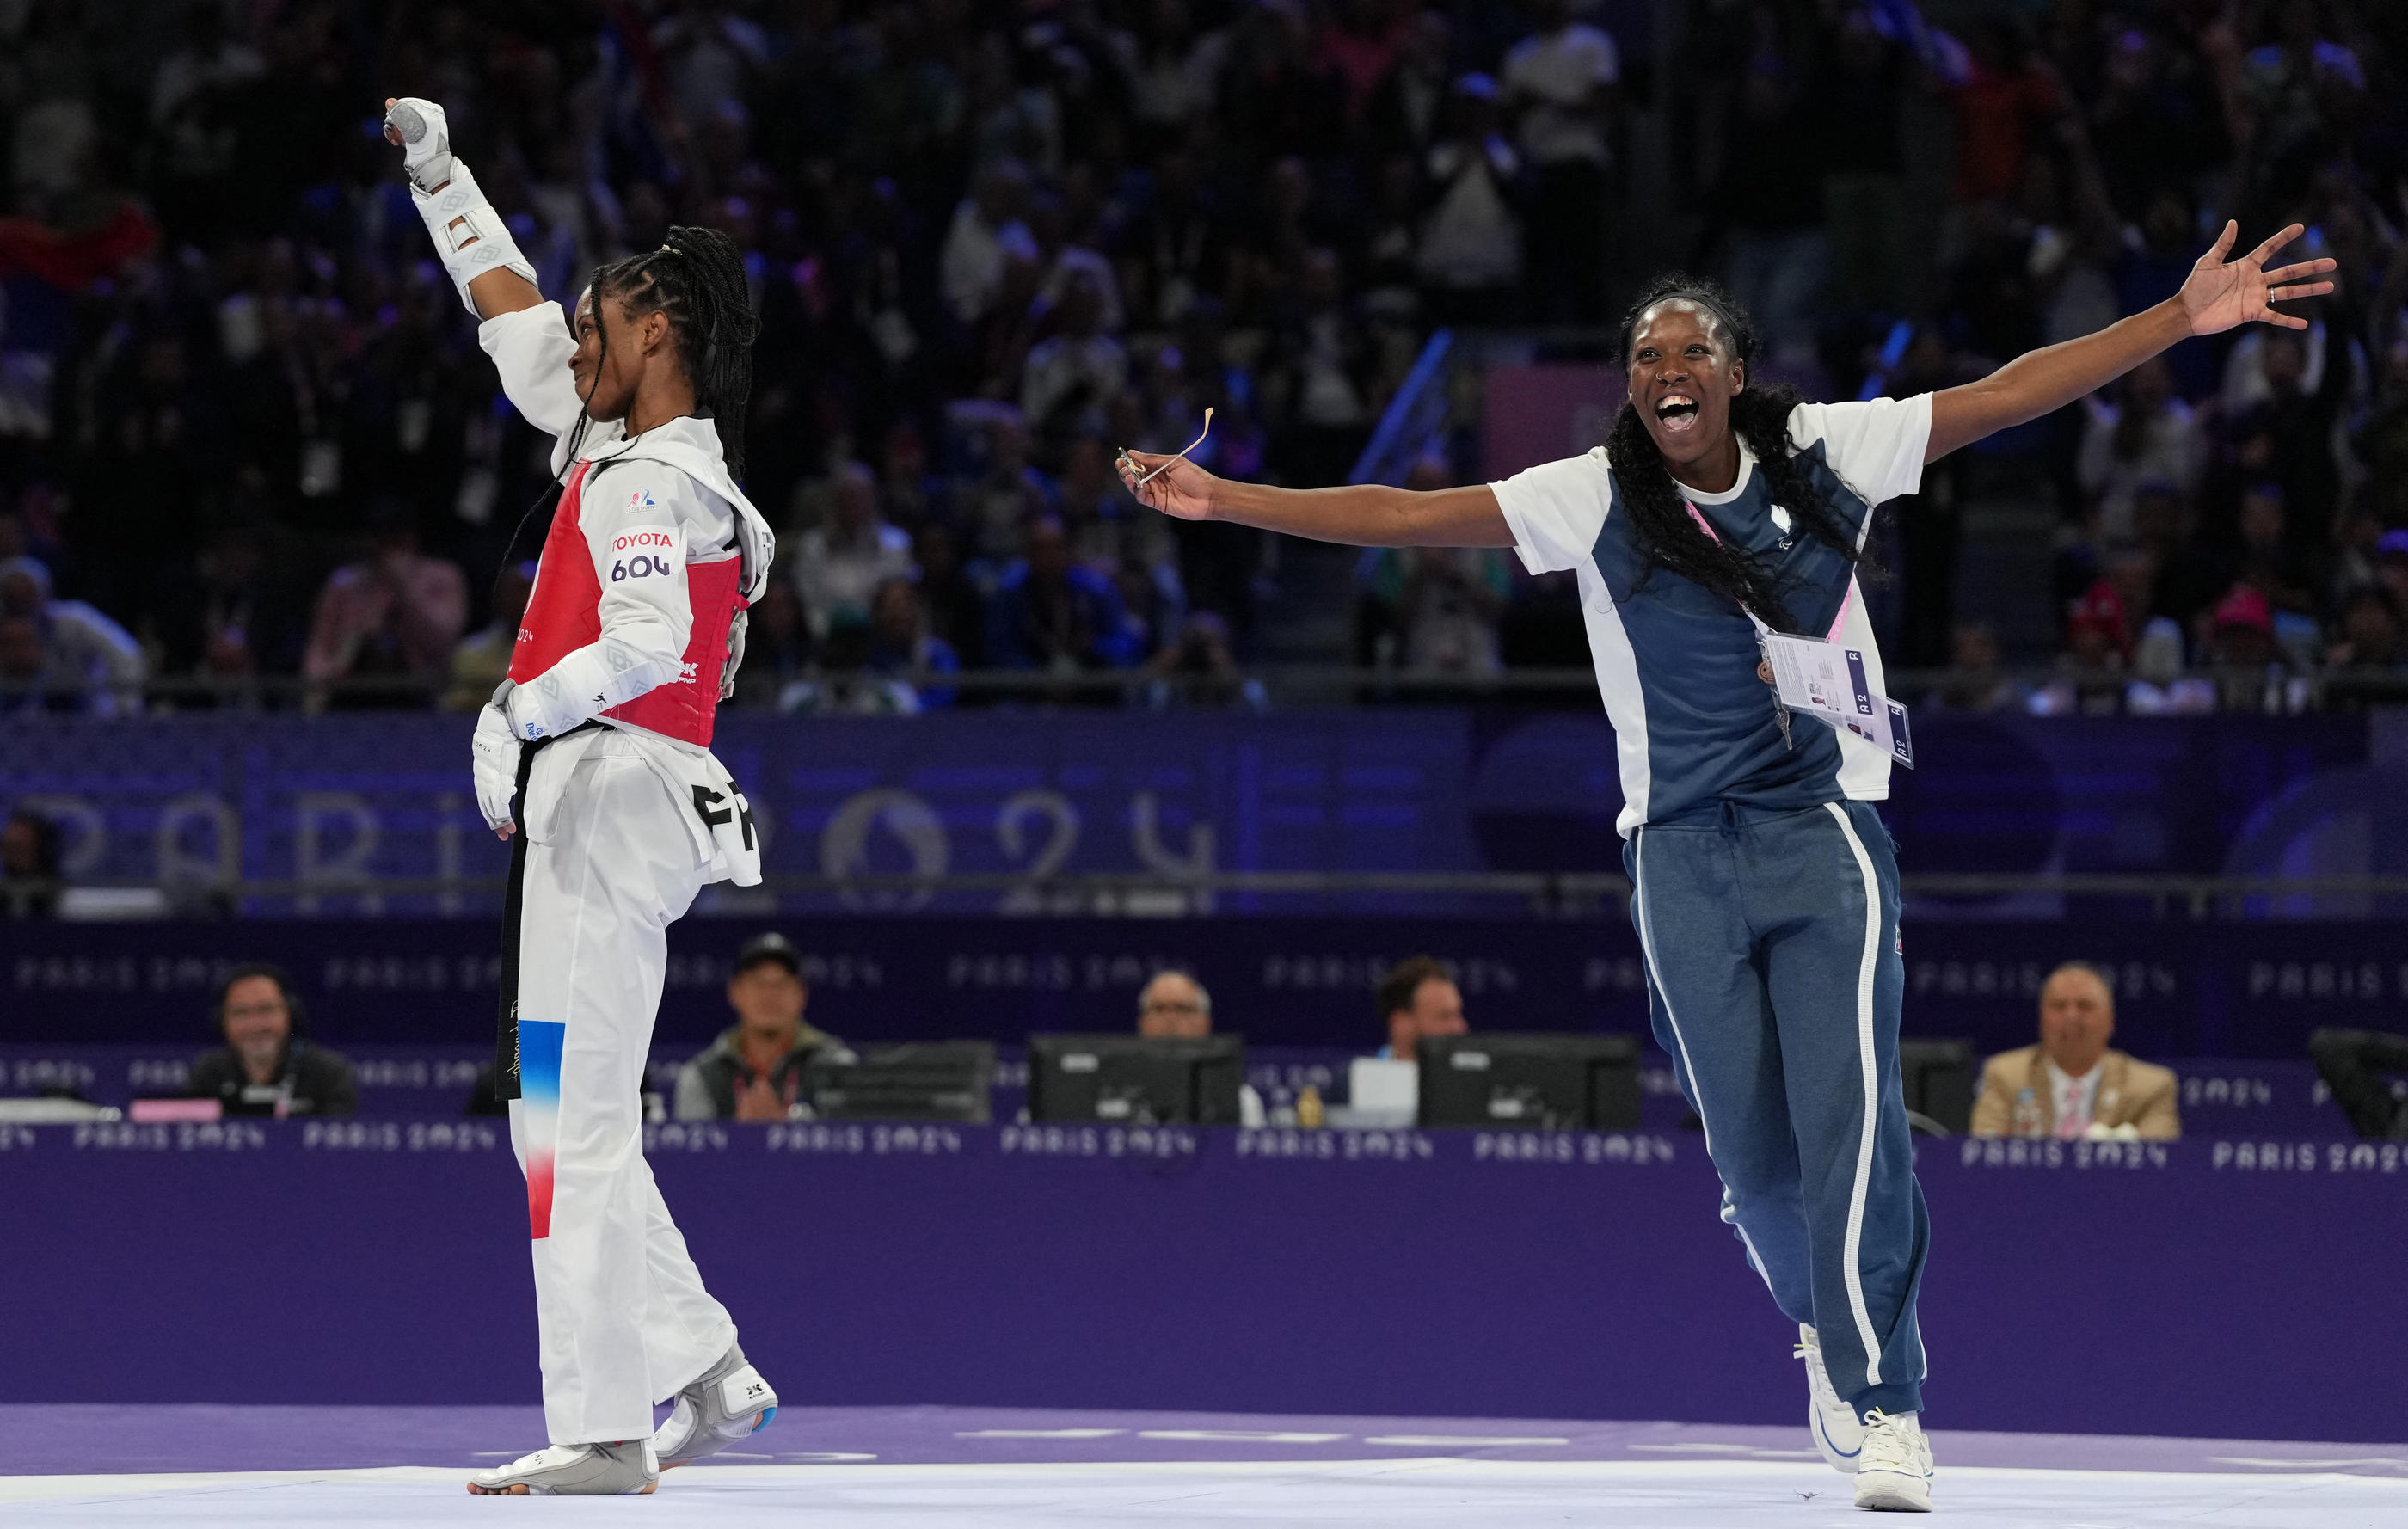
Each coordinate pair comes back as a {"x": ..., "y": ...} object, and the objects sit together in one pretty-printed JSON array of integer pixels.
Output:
[
  {"x": 1668, "y": 536},
  {"x": 697, "y": 279}
]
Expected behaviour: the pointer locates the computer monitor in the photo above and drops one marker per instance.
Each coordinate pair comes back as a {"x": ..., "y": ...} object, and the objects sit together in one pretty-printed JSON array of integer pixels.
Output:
[
  {"x": 1537, "y": 1082},
  {"x": 1937, "y": 1077},
  {"x": 932, "y": 1081},
  {"x": 1124, "y": 1079}
]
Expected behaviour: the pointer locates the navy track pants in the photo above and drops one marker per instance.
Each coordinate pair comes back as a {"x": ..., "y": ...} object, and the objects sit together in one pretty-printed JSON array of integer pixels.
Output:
[{"x": 1774, "y": 980}]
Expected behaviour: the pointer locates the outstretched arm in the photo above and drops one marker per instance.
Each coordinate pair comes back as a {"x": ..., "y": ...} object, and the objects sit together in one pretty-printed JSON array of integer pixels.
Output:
[
  {"x": 1355, "y": 514},
  {"x": 2218, "y": 297}
]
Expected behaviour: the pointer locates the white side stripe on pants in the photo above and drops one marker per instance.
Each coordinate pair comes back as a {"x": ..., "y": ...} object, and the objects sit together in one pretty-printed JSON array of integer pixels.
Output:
[
  {"x": 1647, "y": 952},
  {"x": 1873, "y": 1095}
]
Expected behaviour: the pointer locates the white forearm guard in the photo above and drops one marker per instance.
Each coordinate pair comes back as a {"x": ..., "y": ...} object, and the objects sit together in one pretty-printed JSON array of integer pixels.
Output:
[
  {"x": 470, "y": 237},
  {"x": 605, "y": 673}
]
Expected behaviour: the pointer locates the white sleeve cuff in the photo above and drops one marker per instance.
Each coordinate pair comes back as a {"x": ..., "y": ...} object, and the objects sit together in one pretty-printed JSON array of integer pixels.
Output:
[{"x": 1532, "y": 558}]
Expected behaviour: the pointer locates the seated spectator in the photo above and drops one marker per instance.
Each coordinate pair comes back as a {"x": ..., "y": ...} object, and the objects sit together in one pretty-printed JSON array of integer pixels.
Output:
[
  {"x": 2091, "y": 665},
  {"x": 482, "y": 661},
  {"x": 1433, "y": 610},
  {"x": 237, "y": 617},
  {"x": 1199, "y": 669},
  {"x": 1977, "y": 680},
  {"x": 88, "y": 663},
  {"x": 950, "y": 599},
  {"x": 2269, "y": 561},
  {"x": 1066, "y": 253},
  {"x": 753, "y": 1070},
  {"x": 1418, "y": 1000},
  {"x": 997, "y": 507},
  {"x": 777, "y": 648},
  {"x": 986, "y": 236},
  {"x": 838, "y": 566},
  {"x": 1449, "y": 609},
  {"x": 2370, "y": 635},
  {"x": 2190, "y": 577},
  {"x": 1322, "y": 353},
  {"x": 2282, "y": 390},
  {"x": 1081, "y": 366},
  {"x": 29, "y": 867},
  {"x": 2354, "y": 1064},
  {"x": 2252, "y": 675},
  {"x": 2155, "y": 649},
  {"x": 901, "y": 644},
  {"x": 392, "y": 614},
  {"x": 267, "y": 1065},
  {"x": 1052, "y": 614},
  {"x": 2149, "y": 437},
  {"x": 1175, "y": 1007},
  {"x": 1471, "y": 256},
  {"x": 2072, "y": 1086}
]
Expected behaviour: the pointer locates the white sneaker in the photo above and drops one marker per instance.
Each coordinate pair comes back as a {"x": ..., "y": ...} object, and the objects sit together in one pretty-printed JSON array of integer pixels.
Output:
[
  {"x": 1894, "y": 1470},
  {"x": 1833, "y": 1421},
  {"x": 574, "y": 1470}
]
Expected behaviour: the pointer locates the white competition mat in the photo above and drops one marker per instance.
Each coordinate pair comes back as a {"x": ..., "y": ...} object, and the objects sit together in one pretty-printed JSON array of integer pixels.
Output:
[{"x": 1373, "y": 1494}]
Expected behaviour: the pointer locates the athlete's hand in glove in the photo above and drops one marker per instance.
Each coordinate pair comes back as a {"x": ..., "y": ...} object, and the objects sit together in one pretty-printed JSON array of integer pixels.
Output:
[
  {"x": 426, "y": 139},
  {"x": 495, "y": 764}
]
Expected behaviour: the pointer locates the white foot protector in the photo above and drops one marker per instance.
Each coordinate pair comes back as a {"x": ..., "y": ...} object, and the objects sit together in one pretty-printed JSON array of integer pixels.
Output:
[
  {"x": 727, "y": 1401},
  {"x": 1838, "y": 1432},
  {"x": 574, "y": 1470},
  {"x": 1893, "y": 1469}
]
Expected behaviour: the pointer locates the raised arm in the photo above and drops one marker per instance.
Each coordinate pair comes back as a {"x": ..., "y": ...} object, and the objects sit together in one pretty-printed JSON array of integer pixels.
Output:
[
  {"x": 1356, "y": 514},
  {"x": 2218, "y": 297},
  {"x": 470, "y": 237}
]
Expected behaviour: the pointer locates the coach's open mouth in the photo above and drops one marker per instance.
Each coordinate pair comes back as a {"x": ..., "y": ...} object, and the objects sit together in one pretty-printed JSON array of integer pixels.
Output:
[{"x": 1676, "y": 412}]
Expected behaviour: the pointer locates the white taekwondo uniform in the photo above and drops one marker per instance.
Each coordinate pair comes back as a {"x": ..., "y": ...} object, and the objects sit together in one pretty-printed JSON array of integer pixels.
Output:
[{"x": 624, "y": 816}]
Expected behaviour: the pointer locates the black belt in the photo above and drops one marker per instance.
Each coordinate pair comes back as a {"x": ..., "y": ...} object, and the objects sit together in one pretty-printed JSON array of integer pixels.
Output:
[{"x": 506, "y": 1029}]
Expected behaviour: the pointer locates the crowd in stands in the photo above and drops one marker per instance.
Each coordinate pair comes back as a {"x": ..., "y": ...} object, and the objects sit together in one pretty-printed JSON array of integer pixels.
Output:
[{"x": 246, "y": 433}]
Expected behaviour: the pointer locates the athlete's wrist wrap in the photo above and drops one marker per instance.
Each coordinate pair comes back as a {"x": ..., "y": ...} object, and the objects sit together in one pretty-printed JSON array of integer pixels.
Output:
[{"x": 470, "y": 237}]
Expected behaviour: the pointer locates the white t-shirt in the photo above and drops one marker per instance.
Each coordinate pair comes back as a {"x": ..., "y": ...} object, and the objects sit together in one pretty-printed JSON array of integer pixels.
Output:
[{"x": 1676, "y": 665}]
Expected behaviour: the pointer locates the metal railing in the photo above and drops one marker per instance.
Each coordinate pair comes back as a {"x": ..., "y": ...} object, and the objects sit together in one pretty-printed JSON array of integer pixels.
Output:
[
  {"x": 2246, "y": 690},
  {"x": 1105, "y": 893}
]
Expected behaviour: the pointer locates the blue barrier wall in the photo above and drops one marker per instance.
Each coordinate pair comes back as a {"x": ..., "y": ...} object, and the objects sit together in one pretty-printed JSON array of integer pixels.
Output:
[
  {"x": 334, "y": 799},
  {"x": 2072, "y": 1287}
]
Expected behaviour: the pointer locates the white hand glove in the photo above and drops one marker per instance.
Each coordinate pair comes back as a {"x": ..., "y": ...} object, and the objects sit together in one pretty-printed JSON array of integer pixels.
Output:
[
  {"x": 425, "y": 139},
  {"x": 494, "y": 752}
]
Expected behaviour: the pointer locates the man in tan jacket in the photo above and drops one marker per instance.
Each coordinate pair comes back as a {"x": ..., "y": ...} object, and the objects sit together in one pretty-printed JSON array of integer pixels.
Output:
[{"x": 2072, "y": 1086}]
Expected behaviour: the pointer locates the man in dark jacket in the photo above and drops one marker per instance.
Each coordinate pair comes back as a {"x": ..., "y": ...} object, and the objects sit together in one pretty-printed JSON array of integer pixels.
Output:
[
  {"x": 267, "y": 1065},
  {"x": 753, "y": 1070},
  {"x": 2357, "y": 1067}
]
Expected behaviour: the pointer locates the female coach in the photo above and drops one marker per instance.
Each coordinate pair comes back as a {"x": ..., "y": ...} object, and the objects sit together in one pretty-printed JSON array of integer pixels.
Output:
[{"x": 1764, "y": 888}]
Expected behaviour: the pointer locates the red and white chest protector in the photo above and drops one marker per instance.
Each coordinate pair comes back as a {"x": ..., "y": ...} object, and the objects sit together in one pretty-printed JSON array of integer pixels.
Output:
[{"x": 564, "y": 614}]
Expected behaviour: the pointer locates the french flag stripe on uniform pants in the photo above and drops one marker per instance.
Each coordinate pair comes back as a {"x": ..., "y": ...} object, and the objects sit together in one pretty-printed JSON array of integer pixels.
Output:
[{"x": 539, "y": 1047}]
